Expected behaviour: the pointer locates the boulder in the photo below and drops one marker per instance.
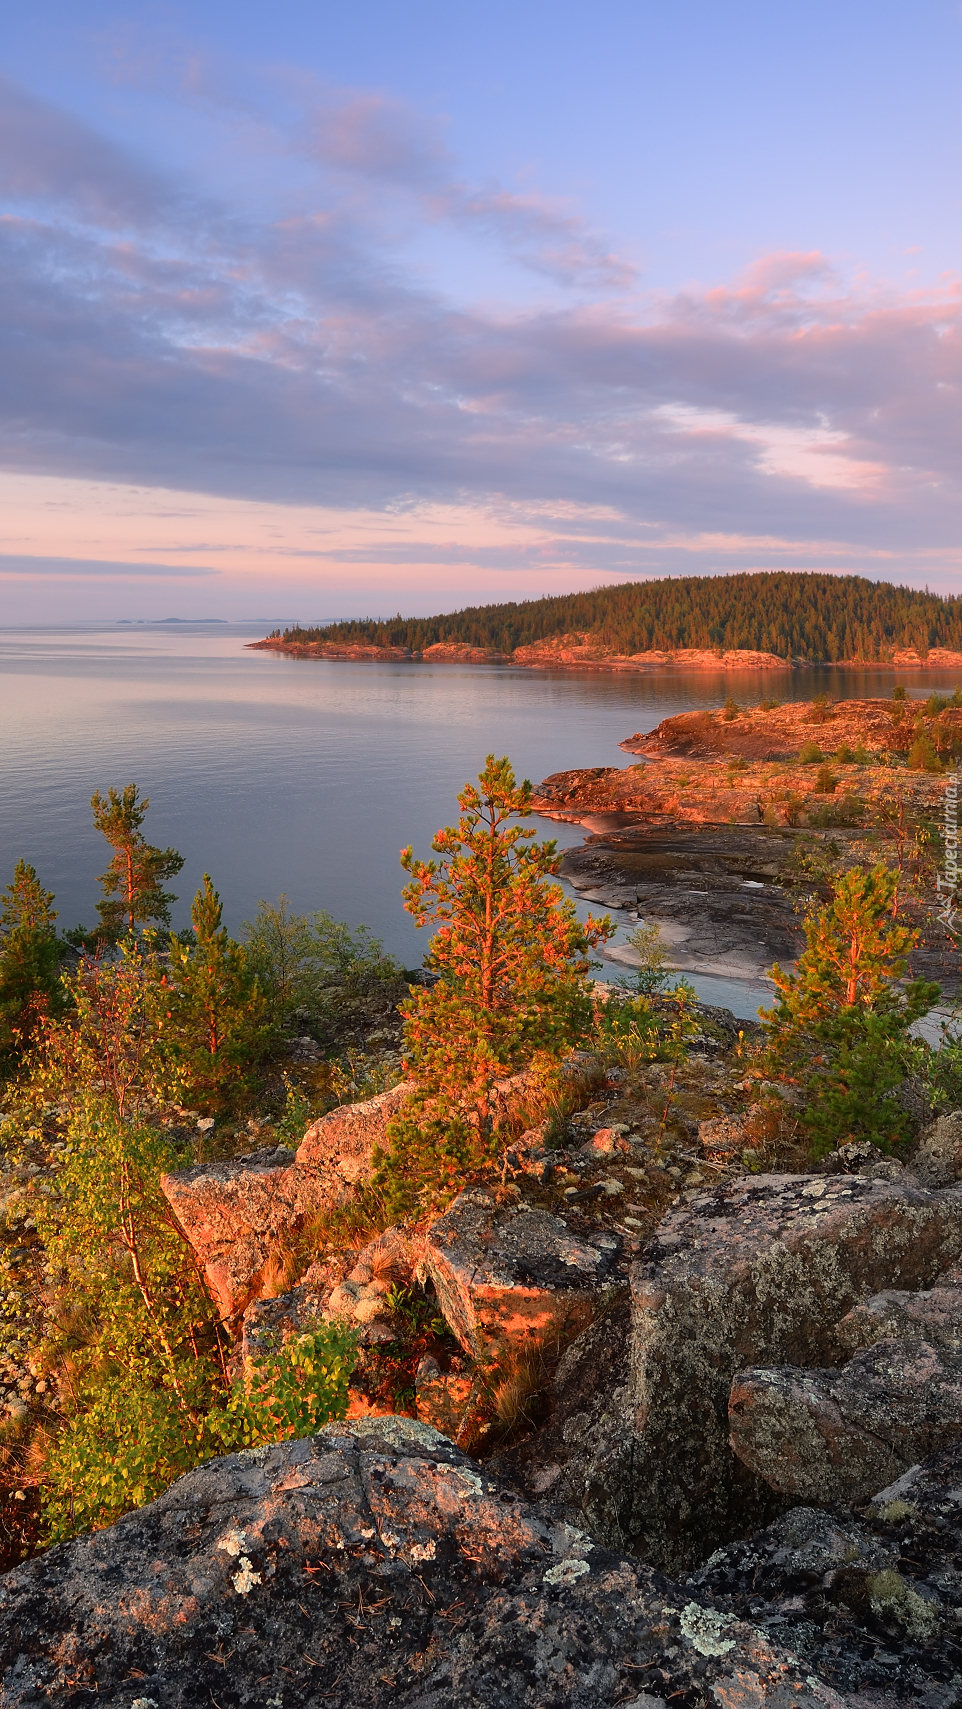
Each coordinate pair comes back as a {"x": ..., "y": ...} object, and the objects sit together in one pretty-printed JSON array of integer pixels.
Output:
[
  {"x": 933, "y": 1315},
  {"x": 754, "y": 1273},
  {"x": 825, "y": 1436},
  {"x": 373, "y": 1565},
  {"x": 938, "y": 1160},
  {"x": 861, "y": 1157},
  {"x": 238, "y": 1214},
  {"x": 869, "y": 1598},
  {"x": 510, "y": 1275}
]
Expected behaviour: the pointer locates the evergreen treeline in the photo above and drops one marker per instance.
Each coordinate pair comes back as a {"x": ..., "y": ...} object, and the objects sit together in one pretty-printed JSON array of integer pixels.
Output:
[{"x": 796, "y": 615}]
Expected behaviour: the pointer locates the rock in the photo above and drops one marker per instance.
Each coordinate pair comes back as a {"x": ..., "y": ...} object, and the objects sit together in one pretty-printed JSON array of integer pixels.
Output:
[
  {"x": 335, "y": 1152},
  {"x": 755, "y": 1273},
  {"x": 938, "y": 1160},
  {"x": 345, "y": 1287},
  {"x": 827, "y": 1436},
  {"x": 513, "y": 1274},
  {"x": 870, "y": 1599},
  {"x": 239, "y": 1214},
  {"x": 861, "y": 1157},
  {"x": 934, "y": 1315},
  {"x": 721, "y": 1135},
  {"x": 373, "y": 1565},
  {"x": 442, "y": 1397}
]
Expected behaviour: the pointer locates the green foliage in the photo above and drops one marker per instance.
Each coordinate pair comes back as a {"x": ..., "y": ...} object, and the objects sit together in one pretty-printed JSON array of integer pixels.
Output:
[
  {"x": 814, "y": 618},
  {"x": 730, "y": 710},
  {"x": 820, "y": 711},
  {"x": 30, "y": 958},
  {"x": 826, "y": 782},
  {"x": 922, "y": 754},
  {"x": 861, "y": 755},
  {"x": 647, "y": 1028},
  {"x": 899, "y": 694},
  {"x": 298, "y": 958},
  {"x": 844, "y": 755},
  {"x": 133, "y": 882},
  {"x": 219, "y": 1027},
  {"x": 654, "y": 964},
  {"x": 294, "y": 1390},
  {"x": 794, "y": 807},
  {"x": 810, "y": 753},
  {"x": 841, "y": 1022},
  {"x": 513, "y": 988}
]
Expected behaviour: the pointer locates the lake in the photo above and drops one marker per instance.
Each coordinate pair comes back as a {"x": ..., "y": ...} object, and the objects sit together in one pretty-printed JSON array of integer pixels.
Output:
[{"x": 293, "y": 775}]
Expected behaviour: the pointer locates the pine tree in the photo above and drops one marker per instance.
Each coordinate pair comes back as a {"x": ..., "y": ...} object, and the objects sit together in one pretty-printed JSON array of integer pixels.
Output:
[
  {"x": 842, "y": 1019},
  {"x": 513, "y": 988},
  {"x": 29, "y": 960},
  {"x": 133, "y": 882},
  {"x": 219, "y": 1027}
]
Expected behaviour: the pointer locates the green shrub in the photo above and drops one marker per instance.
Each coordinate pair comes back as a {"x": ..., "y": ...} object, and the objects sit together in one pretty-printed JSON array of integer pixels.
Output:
[
  {"x": 810, "y": 753},
  {"x": 826, "y": 782},
  {"x": 730, "y": 710},
  {"x": 922, "y": 754},
  {"x": 844, "y": 755}
]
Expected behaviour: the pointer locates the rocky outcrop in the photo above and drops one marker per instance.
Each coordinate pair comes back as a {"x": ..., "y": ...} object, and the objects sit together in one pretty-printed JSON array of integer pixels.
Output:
[
  {"x": 237, "y": 1214},
  {"x": 938, "y": 1160},
  {"x": 372, "y": 1565},
  {"x": 515, "y": 1276},
  {"x": 870, "y": 1599},
  {"x": 825, "y": 1436},
  {"x": 755, "y": 1274}
]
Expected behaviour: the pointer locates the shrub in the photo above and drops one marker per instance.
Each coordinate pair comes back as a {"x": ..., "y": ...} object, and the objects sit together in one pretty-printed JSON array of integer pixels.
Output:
[
  {"x": 826, "y": 782},
  {"x": 841, "y": 1024},
  {"x": 809, "y": 753},
  {"x": 794, "y": 807},
  {"x": 730, "y": 710},
  {"x": 844, "y": 755},
  {"x": 922, "y": 754},
  {"x": 820, "y": 713}
]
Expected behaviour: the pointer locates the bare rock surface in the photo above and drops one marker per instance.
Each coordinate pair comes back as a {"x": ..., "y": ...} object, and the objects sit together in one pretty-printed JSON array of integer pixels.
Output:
[
  {"x": 938, "y": 1160},
  {"x": 371, "y": 1565},
  {"x": 515, "y": 1274},
  {"x": 896, "y": 1314},
  {"x": 235, "y": 1213},
  {"x": 827, "y": 1436},
  {"x": 756, "y": 1273},
  {"x": 871, "y": 1598}
]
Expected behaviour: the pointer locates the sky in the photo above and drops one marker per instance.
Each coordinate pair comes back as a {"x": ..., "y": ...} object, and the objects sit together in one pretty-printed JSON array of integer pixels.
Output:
[{"x": 311, "y": 310}]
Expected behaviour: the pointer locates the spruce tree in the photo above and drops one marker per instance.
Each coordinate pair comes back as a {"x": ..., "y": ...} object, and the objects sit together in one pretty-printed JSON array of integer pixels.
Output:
[
  {"x": 133, "y": 882},
  {"x": 513, "y": 988},
  {"x": 219, "y": 1024},
  {"x": 29, "y": 960}
]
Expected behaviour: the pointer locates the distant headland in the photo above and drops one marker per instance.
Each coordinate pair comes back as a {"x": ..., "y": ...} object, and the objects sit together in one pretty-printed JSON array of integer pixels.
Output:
[{"x": 768, "y": 621}]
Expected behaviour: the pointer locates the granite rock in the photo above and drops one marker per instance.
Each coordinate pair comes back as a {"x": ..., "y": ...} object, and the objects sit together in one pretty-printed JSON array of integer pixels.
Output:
[{"x": 371, "y": 1565}]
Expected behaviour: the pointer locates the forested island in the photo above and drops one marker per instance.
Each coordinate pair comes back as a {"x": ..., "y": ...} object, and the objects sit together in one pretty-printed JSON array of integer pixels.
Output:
[{"x": 766, "y": 620}]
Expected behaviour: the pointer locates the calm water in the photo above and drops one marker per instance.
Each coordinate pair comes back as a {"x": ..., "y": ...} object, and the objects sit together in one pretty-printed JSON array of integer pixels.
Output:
[{"x": 277, "y": 775}]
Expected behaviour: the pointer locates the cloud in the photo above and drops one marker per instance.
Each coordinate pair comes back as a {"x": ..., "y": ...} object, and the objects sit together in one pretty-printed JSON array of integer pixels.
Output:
[
  {"x": 16, "y": 566},
  {"x": 289, "y": 354}
]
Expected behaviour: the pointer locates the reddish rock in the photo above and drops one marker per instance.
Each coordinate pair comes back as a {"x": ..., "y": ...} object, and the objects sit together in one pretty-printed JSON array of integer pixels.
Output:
[
  {"x": 934, "y": 1315},
  {"x": 237, "y": 1214},
  {"x": 442, "y": 1397},
  {"x": 825, "y": 1436},
  {"x": 373, "y": 1566},
  {"x": 510, "y": 1275},
  {"x": 756, "y": 1273}
]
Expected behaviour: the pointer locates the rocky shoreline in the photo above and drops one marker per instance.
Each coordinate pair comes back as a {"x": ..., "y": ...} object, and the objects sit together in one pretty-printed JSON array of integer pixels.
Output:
[
  {"x": 717, "y": 830},
  {"x": 584, "y": 653}
]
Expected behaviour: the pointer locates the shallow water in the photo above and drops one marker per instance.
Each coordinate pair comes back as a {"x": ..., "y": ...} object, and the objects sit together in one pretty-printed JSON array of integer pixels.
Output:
[{"x": 279, "y": 774}]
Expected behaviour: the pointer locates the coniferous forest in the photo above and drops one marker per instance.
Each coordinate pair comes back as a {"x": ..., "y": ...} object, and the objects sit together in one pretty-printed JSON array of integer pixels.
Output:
[{"x": 811, "y": 619}]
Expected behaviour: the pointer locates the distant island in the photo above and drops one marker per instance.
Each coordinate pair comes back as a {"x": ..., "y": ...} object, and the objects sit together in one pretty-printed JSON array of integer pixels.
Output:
[{"x": 765, "y": 621}]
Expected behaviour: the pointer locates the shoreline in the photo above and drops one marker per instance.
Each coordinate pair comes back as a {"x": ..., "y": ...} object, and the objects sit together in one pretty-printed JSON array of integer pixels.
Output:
[{"x": 549, "y": 656}]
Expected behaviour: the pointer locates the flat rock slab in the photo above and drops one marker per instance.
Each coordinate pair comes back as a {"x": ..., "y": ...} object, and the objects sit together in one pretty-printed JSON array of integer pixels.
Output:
[
  {"x": 896, "y": 1314},
  {"x": 756, "y": 1273},
  {"x": 370, "y": 1566},
  {"x": 506, "y": 1276},
  {"x": 825, "y": 1436},
  {"x": 236, "y": 1213}
]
